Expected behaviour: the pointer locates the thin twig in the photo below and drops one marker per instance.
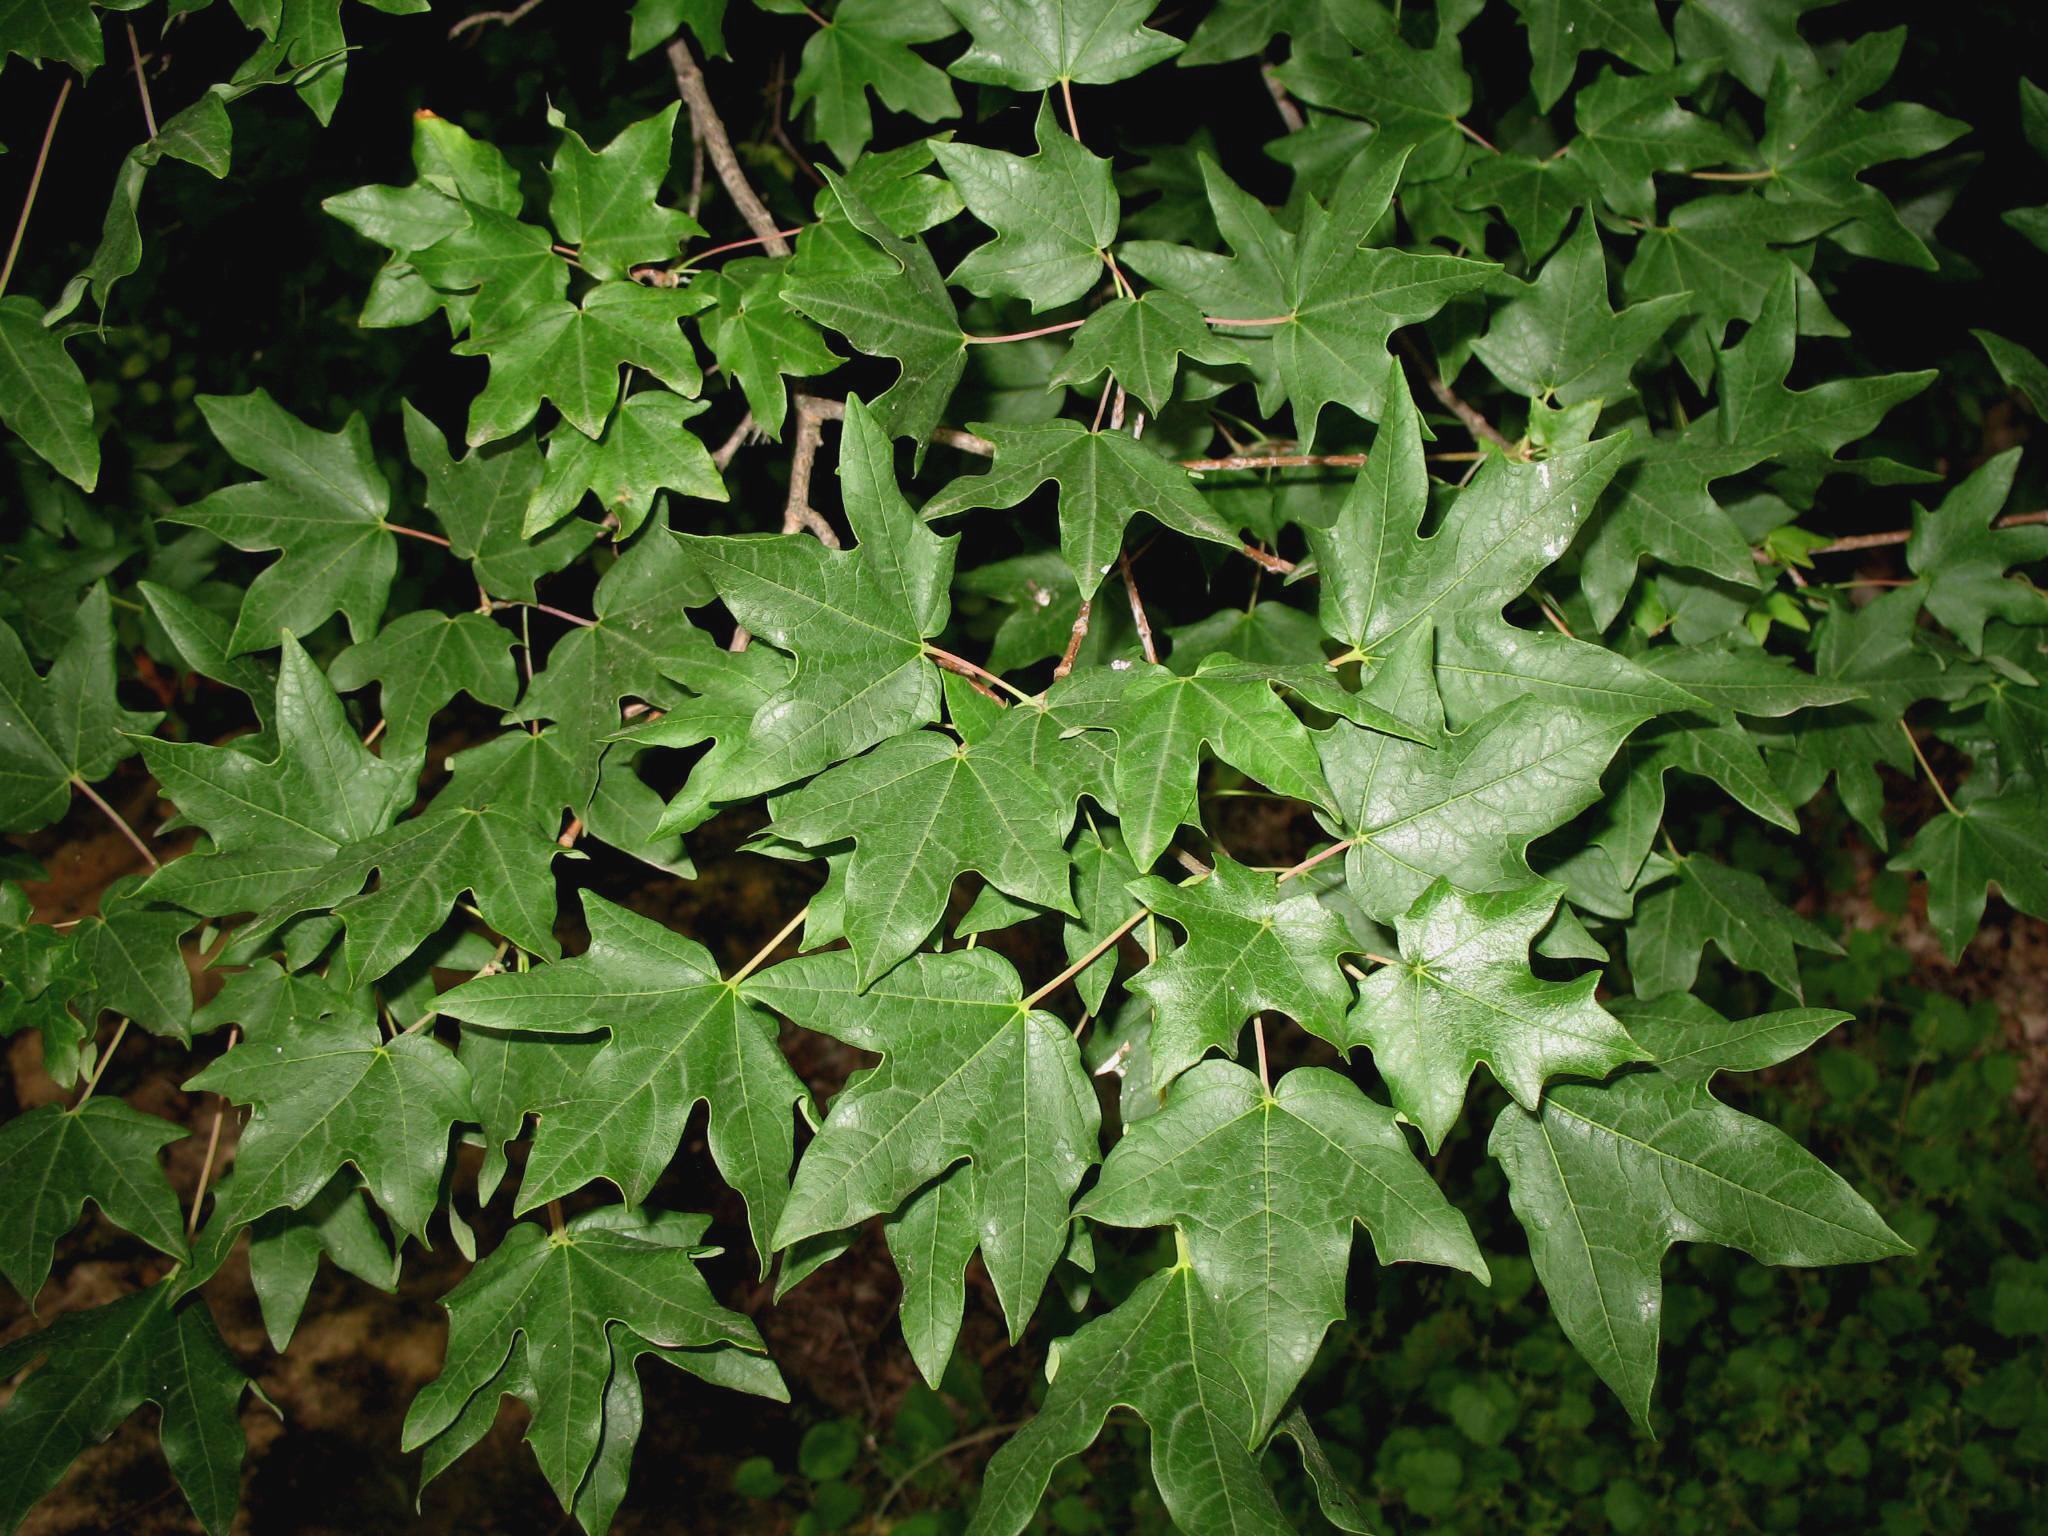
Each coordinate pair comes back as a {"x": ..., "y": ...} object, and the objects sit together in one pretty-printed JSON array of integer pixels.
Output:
[
  {"x": 570, "y": 833},
  {"x": 1290, "y": 114},
  {"x": 1928, "y": 769},
  {"x": 1138, "y": 610},
  {"x": 35, "y": 181},
  {"x": 968, "y": 669},
  {"x": 418, "y": 533},
  {"x": 547, "y": 608},
  {"x": 1259, "y": 1035},
  {"x": 1262, "y": 320},
  {"x": 1856, "y": 541},
  {"x": 1095, "y": 953},
  {"x": 1275, "y": 461},
  {"x": 141, "y": 82},
  {"x": 1031, "y": 335},
  {"x": 370, "y": 737},
  {"x": 100, "y": 1066},
  {"x": 220, "y": 1109},
  {"x": 761, "y": 955},
  {"x": 1067, "y": 97},
  {"x": 722, "y": 455},
  {"x": 1448, "y": 398},
  {"x": 120, "y": 825},
  {"x": 1074, "y": 639},
  {"x": 503, "y": 18},
  {"x": 710, "y": 131},
  {"x": 1474, "y": 135},
  {"x": 1731, "y": 175},
  {"x": 740, "y": 245},
  {"x": 993, "y": 1432}
]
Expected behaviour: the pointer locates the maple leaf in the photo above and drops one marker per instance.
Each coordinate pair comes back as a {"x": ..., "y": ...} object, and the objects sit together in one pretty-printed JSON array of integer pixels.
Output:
[
  {"x": 1559, "y": 341},
  {"x": 571, "y": 354},
  {"x": 758, "y": 338},
  {"x": 1265, "y": 1187},
  {"x": 1631, "y": 126},
  {"x": 1332, "y": 302},
  {"x": 482, "y": 500},
  {"x": 1162, "y": 1353},
  {"x": 1381, "y": 579},
  {"x": 1104, "y": 477},
  {"x": 38, "y": 977},
  {"x": 856, "y": 621},
  {"x": 894, "y": 304},
  {"x": 1816, "y": 140},
  {"x": 1249, "y": 947},
  {"x": 1414, "y": 97},
  {"x": 967, "y": 1074},
  {"x": 285, "y": 1249},
  {"x": 1560, "y": 30},
  {"x": 1032, "y": 47},
  {"x": 127, "y": 960},
  {"x": 1140, "y": 342},
  {"x": 328, "y": 1095},
  {"x": 322, "y": 502},
  {"x": 645, "y": 448},
  {"x": 53, "y": 1160},
  {"x": 1054, "y": 214},
  {"x": 1732, "y": 908},
  {"x": 867, "y": 46},
  {"x": 679, "y": 1035},
  {"x": 65, "y": 728},
  {"x": 562, "y": 1295},
  {"x": 1163, "y": 720},
  {"x": 1978, "y": 843},
  {"x": 1536, "y": 197},
  {"x": 423, "y": 661},
  {"x": 277, "y": 821},
  {"x": 603, "y": 201},
  {"x": 43, "y": 398},
  {"x": 491, "y": 274},
  {"x": 640, "y": 622},
  {"x": 922, "y": 810},
  {"x": 1961, "y": 556},
  {"x": 1606, "y": 1177},
  {"x": 1462, "y": 994},
  {"x": 100, "y": 1364}
]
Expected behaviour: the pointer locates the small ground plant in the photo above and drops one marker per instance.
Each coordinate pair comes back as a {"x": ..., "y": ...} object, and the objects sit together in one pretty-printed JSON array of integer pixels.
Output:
[{"x": 1467, "y": 467}]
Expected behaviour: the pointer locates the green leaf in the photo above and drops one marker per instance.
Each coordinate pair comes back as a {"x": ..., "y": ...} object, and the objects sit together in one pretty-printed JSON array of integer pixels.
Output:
[
  {"x": 100, "y": 1365},
  {"x": 1140, "y": 341},
  {"x": 1163, "y": 720},
  {"x": 1536, "y": 197},
  {"x": 328, "y": 1095},
  {"x": 922, "y": 810},
  {"x": 895, "y": 305},
  {"x": 968, "y": 1074},
  {"x": 276, "y": 822},
  {"x": 1249, "y": 947},
  {"x": 322, "y": 502},
  {"x": 285, "y": 1248},
  {"x": 856, "y": 621},
  {"x": 603, "y": 202},
  {"x": 1559, "y": 341},
  {"x": 1462, "y": 994},
  {"x": 1560, "y": 30},
  {"x": 646, "y": 448},
  {"x": 1732, "y": 908},
  {"x": 1468, "y": 811},
  {"x": 1995, "y": 840},
  {"x": 2023, "y": 372},
  {"x": 1605, "y": 1178},
  {"x": 128, "y": 960},
  {"x": 1816, "y": 140},
  {"x": 758, "y": 337},
  {"x": 65, "y": 727},
  {"x": 1265, "y": 1188},
  {"x": 1162, "y": 1353},
  {"x": 640, "y": 624},
  {"x": 866, "y": 45},
  {"x": 53, "y": 1160},
  {"x": 1381, "y": 578},
  {"x": 1631, "y": 126},
  {"x": 1034, "y": 47},
  {"x": 1962, "y": 556},
  {"x": 571, "y": 355},
  {"x": 481, "y": 499},
  {"x": 678, "y": 1036},
  {"x": 1104, "y": 477},
  {"x": 38, "y": 976},
  {"x": 1332, "y": 302},
  {"x": 43, "y": 398},
  {"x": 1690, "y": 1041},
  {"x": 493, "y": 274},
  {"x": 561, "y": 1294},
  {"x": 423, "y": 866},
  {"x": 654, "y": 22},
  {"x": 422, "y": 662},
  {"x": 1414, "y": 97},
  {"x": 1054, "y": 214}
]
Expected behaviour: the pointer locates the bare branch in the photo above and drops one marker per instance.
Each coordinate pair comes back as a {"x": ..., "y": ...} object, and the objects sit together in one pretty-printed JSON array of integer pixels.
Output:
[{"x": 710, "y": 132}]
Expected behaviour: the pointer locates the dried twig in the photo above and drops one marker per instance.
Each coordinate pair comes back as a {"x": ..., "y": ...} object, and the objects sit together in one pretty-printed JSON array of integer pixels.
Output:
[
  {"x": 1448, "y": 398},
  {"x": 141, "y": 82},
  {"x": 220, "y": 1110},
  {"x": 1138, "y": 610},
  {"x": 1283, "y": 103},
  {"x": 503, "y": 18},
  {"x": 710, "y": 132},
  {"x": 35, "y": 182},
  {"x": 1074, "y": 639},
  {"x": 120, "y": 823}
]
